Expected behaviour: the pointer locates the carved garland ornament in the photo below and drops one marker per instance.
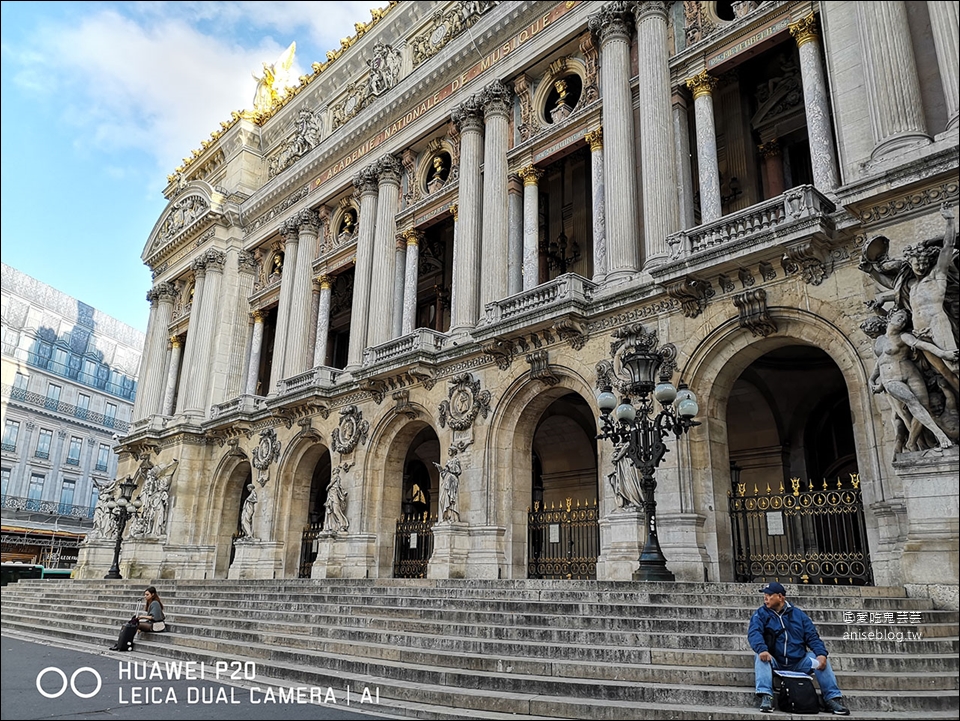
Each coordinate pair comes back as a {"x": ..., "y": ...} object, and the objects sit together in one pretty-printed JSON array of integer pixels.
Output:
[
  {"x": 266, "y": 452},
  {"x": 465, "y": 402},
  {"x": 353, "y": 430}
]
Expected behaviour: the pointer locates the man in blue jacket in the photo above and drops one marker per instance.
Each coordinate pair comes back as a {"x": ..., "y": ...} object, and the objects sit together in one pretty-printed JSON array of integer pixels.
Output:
[{"x": 781, "y": 634}]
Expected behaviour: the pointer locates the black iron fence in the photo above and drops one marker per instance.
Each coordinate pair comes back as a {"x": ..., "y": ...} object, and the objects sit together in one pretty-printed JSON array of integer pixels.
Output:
[
  {"x": 413, "y": 545},
  {"x": 50, "y": 508},
  {"x": 563, "y": 542},
  {"x": 38, "y": 401},
  {"x": 309, "y": 545},
  {"x": 801, "y": 535}
]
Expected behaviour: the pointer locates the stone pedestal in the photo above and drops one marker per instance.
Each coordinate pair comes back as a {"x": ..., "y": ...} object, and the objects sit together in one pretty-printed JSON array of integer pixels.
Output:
[
  {"x": 257, "y": 559},
  {"x": 451, "y": 547},
  {"x": 486, "y": 552},
  {"x": 681, "y": 541},
  {"x": 95, "y": 558},
  {"x": 622, "y": 534},
  {"x": 345, "y": 556},
  {"x": 930, "y": 554}
]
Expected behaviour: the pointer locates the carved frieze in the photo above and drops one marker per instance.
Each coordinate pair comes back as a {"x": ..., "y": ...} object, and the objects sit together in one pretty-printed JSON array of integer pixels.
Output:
[
  {"x": 353, "y": 430},
  {"x": 384, "y": 68},
  {"x": 692, "y": 293},
  {"x": 266, "y": 452},
  {"x": 465, "y": 401},
  {"x": 306, "y": 137},
  {"x": 754, "y": 316},
  {"x": 446, "y": 24},
  {"x": 181, "y": 216}
]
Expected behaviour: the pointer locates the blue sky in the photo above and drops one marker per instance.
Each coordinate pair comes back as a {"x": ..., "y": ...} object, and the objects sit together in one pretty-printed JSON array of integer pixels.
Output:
[{"x": 102, "y": 100}]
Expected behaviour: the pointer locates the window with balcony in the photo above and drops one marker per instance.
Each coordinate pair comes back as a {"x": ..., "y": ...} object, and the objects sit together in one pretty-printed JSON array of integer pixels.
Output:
[
  {"x": 35, "y": 491},
  {"x": 103, "y": 458},
  {"x": 110, "y": 415},
  {"x": 66, "y": 496},
  {"x": 53, "y": 396},
  {"x": 19, "y": 386},
  {"x": 11, "y": 431},
  {"x": 43, "y": 443},
  {"x": 5, "y": 480},
  {"x": 73, "y": 454},
  {"x": 83, "y": 406}
]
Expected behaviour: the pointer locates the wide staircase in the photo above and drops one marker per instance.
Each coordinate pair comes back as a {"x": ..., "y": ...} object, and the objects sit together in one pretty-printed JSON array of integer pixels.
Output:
[{"x": 520, "y": 649}]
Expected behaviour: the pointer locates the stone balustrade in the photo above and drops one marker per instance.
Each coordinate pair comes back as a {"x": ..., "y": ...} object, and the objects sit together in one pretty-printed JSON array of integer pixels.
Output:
[
  {"x": 561, "y": 290},
  {"x": 421, "y": 341}
]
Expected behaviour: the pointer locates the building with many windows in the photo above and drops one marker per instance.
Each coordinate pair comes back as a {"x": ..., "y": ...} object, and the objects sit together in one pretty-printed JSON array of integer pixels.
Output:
[
  {"x": 68, "y": 384},
  {"x": 387, "y": 295}
]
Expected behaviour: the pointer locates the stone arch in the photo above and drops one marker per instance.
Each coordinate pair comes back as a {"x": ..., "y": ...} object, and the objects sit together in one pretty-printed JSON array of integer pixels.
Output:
[
  {"x": 508, "y": 456},
  {"x": 294, "y": 478},
  {"x": 711, "y": 370},
  {"x": 382, "y": 476},
  {"x": 223, "y": 508}
]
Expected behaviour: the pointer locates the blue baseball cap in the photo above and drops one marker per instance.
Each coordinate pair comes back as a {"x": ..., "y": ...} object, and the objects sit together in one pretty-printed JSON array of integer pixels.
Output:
[{"x": 774, "y": 587}]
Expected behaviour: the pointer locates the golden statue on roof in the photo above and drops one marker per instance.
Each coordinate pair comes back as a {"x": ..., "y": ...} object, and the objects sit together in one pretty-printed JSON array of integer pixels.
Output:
[{"x": 275, "y": 83}]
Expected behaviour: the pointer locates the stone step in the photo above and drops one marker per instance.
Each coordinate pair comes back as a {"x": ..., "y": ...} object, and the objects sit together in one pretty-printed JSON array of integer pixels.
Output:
[
  {"x": 523, "y": 649},
  {"x": 316, "y": 667}
]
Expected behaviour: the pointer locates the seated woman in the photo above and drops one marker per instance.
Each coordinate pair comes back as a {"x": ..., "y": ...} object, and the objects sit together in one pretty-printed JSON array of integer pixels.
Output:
[{"x": 153, "y": 619}]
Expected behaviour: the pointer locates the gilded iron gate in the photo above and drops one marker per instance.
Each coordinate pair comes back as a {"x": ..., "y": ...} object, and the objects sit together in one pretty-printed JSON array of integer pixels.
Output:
[
  {"x": 801, "y": 536},
  {"x": 413, "y": 545},
  {"x": 563, "y": 542},
  {"x": 308, "y": 548}
]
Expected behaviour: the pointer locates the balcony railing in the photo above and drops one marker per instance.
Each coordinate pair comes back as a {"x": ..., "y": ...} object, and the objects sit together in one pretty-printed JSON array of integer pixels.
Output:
[
  {"x": 45, "y": 455},
  {"x": 73, "y": 461},
  {"x": 50, "y": 508},
  {"x": 420, "y": 341},
  {"x": 752, "y": 224},
  {"x": 568, "y": 288},
  {"x": 319, "y": 377},
  {"x": 39, "y": 401},
  {"x": 102, "y": 467},
  {"x": 240, "y": 404},
  {"x": 9, "y": 447}
]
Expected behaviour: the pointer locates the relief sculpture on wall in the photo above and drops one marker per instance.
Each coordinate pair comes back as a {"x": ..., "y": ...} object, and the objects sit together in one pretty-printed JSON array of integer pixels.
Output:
[{"x": 915, "y": 334}]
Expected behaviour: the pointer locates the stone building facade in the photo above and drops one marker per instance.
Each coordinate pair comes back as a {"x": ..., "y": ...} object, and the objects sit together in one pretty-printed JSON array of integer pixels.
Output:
[
  {"x": 383, "y": 298},
  {"x": 69, "y": 379}
]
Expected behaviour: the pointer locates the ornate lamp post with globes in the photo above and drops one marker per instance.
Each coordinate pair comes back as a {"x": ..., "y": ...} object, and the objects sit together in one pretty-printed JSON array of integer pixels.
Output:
[
  {"x": 645, "y": 369},
  {"x": 122, "y": 508}
]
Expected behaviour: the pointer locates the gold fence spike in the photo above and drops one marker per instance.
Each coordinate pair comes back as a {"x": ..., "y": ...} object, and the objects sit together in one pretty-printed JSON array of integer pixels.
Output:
[
  {"x": 810, "y": 488},
  {"x": 768, "y": 488},
  {"x": 795, "y": 482},
  {"x": 824, "y": 484},
  {"x": 855, "y": 480}
]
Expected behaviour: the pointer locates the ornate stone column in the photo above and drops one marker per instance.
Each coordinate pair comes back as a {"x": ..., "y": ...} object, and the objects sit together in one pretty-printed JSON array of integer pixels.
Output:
[
  {"x": 256, "y": 348},
  {"x": 468, "y": 117},
  {"x": 298, "y": 355},
  {"x": 173, "y": 373},
  {"x": 702, "y": 86},
  {"x": 613, "y": 27},
  {"x": 515, "y": 221},
  {"x": 595, "y": 139},
  {"x": 150, "y": 395},
  {"x": 198, "y": 402},
  {"x": 412, "y": 238},
  {"x": 366, "y": 183},
  {"x": 681, "y": 140},
  {"x": 291, "y": 245},
  {"x": 380, "y": 327},
  {"x": 661, "y": 215},
  {"x": 455, "y": 214},
  {"x": 399, "y": 284},
  {"x": 495, "y": 253},
  {"x": 893, "y": 89},
  {"x": 531, "y": 232},
  {"x": 193, "y": 333},
  {"x": 944, "y": 22},
  {"x": 816, "y": 104},
  {"x": 323, "y": 321}
]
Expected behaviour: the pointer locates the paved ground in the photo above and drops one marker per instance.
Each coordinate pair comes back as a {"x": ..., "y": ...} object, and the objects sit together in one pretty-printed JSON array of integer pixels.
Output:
[{"x": 43, "y": 681}]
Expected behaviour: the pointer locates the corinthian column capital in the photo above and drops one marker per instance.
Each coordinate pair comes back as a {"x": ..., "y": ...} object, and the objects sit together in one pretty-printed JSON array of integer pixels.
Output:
[
  {"x": 805, "y": 30},
  {"x": 530, "y": 175},
  {"x": 702, "y": 84},
  {"x": 614, "y": 21}
]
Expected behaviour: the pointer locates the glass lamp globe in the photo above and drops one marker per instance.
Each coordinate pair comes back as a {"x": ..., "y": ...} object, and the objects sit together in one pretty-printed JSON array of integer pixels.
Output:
[
  {"x": 665, "y": 393},
  {"x": 625, "y": 412},
  {"x": 606, "y": 401},
  {"x": 687, "y": 405}
]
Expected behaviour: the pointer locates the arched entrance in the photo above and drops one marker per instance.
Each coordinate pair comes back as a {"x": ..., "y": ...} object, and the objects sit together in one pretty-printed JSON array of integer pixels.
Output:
[
  {"x": 234, "y": 493},
  {"x": 796, "y": 511},
  {"x": 316, "y": 511},
  {"x": 417, "y": 514},
  {"x": 563, "y": 533}
]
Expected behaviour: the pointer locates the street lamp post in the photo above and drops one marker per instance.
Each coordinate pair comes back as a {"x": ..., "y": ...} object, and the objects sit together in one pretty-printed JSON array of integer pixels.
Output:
[
  {"x": 648, "y": 369},
  {"x": 122, "y": 508}
]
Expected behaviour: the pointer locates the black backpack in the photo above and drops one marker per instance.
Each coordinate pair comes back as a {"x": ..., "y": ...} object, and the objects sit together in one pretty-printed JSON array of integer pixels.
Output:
[{"x": 797, "y": 694}]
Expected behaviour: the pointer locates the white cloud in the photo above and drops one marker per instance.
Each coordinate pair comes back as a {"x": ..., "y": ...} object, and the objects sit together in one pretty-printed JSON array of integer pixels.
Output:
[{"x": 160, "y": 78}]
